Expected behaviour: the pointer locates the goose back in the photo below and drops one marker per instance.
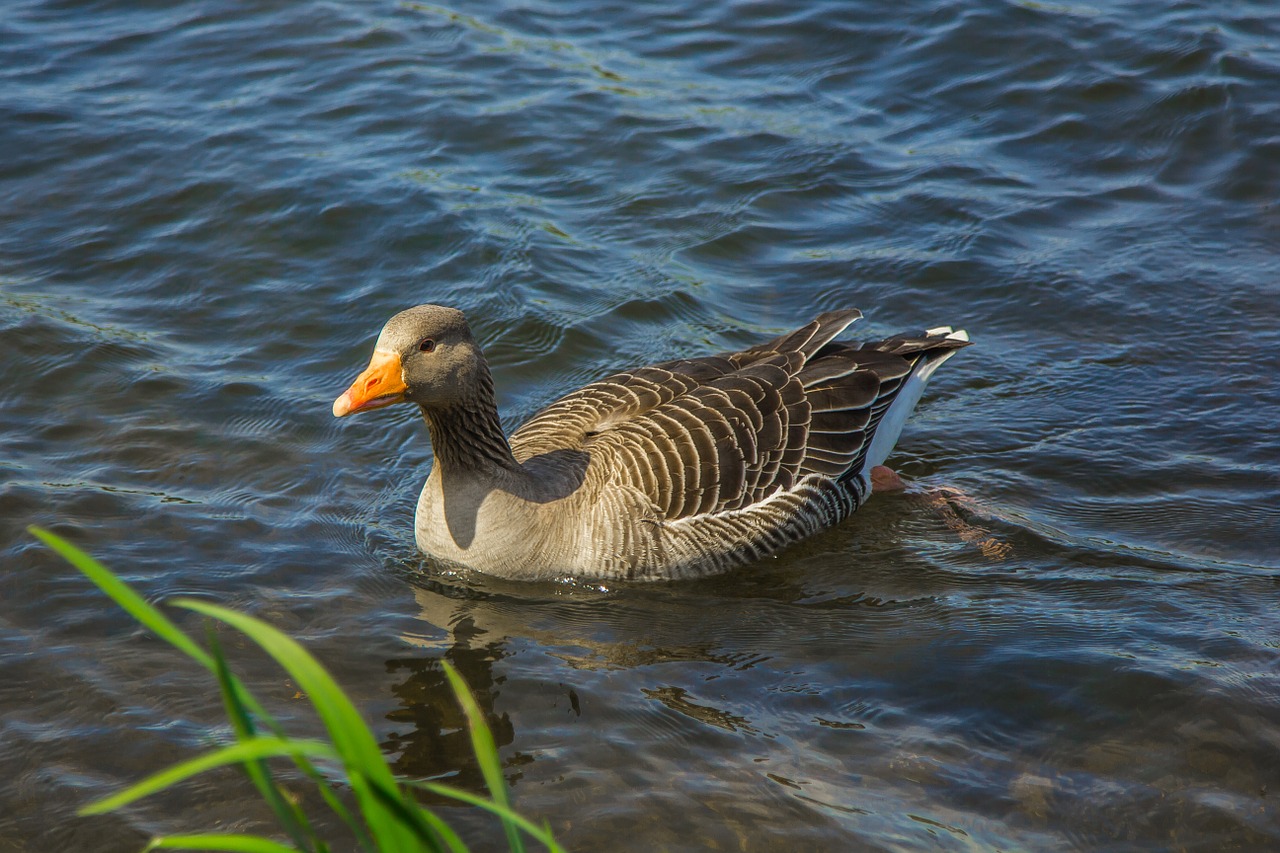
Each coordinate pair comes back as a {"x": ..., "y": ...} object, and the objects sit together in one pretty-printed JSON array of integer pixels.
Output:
[{"x": 736, "y": 455}]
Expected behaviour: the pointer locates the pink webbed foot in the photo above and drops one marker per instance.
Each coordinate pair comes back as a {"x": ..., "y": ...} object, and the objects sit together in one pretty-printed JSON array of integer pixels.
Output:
[
  {"x": 946, "y": 502},
  {"x": 885, "y": 479}
]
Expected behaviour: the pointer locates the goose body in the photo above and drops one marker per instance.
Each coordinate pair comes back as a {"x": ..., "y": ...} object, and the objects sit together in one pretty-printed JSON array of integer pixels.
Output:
[{"x": 676, "y": 470}]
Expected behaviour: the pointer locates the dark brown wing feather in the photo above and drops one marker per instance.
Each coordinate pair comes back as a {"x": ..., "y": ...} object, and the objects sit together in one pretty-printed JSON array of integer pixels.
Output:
[{"x": 726, "y": 431}]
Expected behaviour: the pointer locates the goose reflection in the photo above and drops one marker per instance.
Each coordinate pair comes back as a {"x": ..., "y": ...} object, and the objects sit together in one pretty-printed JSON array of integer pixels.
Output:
[
  {"x": 474, "y": 624},
  {"x": 431, "y": 738},
  {"x": 734, "y": 623}
]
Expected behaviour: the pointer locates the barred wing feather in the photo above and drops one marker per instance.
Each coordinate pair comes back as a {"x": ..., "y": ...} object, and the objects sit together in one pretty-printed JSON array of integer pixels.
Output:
[{"x": 725, "y": 432}]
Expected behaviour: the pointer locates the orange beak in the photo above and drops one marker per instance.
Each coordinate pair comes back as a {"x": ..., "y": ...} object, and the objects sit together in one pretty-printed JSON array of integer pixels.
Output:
[{"x": 381, "y": 384}]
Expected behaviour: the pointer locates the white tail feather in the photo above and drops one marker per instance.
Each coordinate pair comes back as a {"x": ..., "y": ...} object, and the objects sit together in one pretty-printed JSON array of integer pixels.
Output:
[{"x": 890, "y": 427}]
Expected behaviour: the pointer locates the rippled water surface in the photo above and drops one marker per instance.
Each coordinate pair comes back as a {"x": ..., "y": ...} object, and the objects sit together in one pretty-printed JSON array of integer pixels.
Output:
[{"x": 208, "y": 209}]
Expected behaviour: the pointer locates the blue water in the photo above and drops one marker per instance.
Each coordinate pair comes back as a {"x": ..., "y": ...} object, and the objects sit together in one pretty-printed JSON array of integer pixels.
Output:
[{"x": 1064, "y": 637}]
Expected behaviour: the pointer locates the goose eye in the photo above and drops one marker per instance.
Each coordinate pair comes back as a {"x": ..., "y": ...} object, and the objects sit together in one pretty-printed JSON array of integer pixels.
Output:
[{"x": 426, "y": 345}]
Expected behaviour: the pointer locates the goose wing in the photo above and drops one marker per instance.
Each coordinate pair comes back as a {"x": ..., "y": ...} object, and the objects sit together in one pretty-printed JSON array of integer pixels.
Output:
[{"x": 723, "y": 432}]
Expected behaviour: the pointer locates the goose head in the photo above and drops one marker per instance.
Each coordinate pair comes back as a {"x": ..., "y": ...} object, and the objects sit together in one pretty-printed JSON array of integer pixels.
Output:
[{"x": 425, "y": 355}]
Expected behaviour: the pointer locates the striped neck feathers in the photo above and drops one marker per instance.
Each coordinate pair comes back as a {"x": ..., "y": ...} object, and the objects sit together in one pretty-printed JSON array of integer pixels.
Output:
[{"x": 467, "y": 437}]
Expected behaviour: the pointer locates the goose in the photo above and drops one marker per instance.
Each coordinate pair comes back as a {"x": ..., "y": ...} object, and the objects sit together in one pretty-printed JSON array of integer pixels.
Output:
[{"x": 676, "y": 470}]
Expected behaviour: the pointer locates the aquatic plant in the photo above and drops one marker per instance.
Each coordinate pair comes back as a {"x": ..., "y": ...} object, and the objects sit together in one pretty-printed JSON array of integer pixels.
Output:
[{"x": 387, "y": 818}]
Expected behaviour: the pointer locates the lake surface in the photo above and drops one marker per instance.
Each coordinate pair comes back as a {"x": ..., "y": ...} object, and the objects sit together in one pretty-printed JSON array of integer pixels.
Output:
[{"x": 1066, "y": 636}]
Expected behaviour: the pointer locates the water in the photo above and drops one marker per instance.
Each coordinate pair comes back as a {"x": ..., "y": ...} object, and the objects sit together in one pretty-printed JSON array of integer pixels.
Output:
[{"x": 207, "y": 210}]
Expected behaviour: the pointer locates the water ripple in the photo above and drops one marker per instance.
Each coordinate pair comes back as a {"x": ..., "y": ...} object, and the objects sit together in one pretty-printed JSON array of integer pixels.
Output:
[{"x": 1060, "y": 638}]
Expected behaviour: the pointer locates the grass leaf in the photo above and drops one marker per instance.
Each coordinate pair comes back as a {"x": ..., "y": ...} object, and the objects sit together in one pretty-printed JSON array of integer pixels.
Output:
[
  {"x": 354, "y": 743},
  {"x": 287, "y": 811},
  {"x": 395, "y": 819},
  {"x": 430, "y": 828},
  {"x": 236, "y": 753},
  {"x": 541, "y": 834},
  {"x": 486, "y": 751},
  {"x": 122, "y": 594},
  {"x": 149, "y": 616}
]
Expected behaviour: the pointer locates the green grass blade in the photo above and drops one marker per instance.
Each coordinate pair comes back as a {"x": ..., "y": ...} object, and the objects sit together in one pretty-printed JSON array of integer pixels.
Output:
[
  {"x": 541, "y": 834},
  {"x": 336, "y": 805},
  {"x": 138, "y": 607},
  {"x": 122, "y": 594},
  {"x": 245, "y": 750},
  {"x": 150, "y": 617},
  {"x": 219, "y": 842},
  {"x": 486, "y": 751},
  {"x": 287, "y": 811},
  {"x": 397, "y": 821},
  {"x": 429, "y": 827},
  {"x": 352, "y": 739},
  {"x": 238, "y": 712}
]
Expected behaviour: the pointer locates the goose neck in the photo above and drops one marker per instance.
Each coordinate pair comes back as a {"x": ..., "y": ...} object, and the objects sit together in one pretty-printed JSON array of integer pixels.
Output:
[{"x": 467, "y": 438}]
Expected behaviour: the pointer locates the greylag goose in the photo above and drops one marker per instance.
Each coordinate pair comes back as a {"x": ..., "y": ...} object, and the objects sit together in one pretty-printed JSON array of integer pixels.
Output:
[{"x": 677, "y": 470}]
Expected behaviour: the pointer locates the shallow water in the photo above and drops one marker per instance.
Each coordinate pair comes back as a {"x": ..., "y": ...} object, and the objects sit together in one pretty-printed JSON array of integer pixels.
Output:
[{"x": 207, "y": 211}]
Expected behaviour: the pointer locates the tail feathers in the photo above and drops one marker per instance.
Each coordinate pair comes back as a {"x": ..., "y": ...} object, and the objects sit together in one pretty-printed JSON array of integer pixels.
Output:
[
  {"x": 936, "y": 346},
  {"x": 908, "y": 343}
]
